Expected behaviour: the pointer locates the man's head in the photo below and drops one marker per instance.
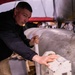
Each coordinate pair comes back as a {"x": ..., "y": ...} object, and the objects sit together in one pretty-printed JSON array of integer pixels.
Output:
[{"x": 22, "y": 13}]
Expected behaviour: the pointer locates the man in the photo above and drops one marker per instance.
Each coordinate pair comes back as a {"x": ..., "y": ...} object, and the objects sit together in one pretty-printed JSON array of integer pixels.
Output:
[{"x": 12, "y": 37}]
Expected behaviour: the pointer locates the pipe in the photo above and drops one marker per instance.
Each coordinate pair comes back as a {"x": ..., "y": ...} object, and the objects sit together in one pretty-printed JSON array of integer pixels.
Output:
[
  {"x": 36, "y": 48},
  {"x": 30, "y": 34},
  {"x": 60, "y": 41}
]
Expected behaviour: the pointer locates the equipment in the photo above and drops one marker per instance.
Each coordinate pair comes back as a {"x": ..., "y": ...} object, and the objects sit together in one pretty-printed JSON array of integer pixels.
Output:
[{"x": 60, "y": 66}]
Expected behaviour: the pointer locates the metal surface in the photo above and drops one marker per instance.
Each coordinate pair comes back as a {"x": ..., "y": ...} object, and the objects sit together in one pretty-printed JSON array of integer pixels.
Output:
[
  {"x": 60, "y": 41},
  {"x": 18, "y": 67},
  {"x": 60, "y": 66}
]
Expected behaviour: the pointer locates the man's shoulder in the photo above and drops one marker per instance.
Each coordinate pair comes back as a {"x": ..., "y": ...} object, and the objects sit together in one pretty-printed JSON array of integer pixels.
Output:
[{"x": 6, "y": 13}]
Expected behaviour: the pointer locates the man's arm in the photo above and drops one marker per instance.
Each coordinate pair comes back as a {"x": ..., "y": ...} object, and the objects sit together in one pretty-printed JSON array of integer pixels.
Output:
[
  {"x": 18, "y": 46},
  {"x": 15, "y": 43}
]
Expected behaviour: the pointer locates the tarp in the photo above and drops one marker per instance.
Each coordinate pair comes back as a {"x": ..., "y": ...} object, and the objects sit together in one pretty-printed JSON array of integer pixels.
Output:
[
  {"x": 42, "y": 9},
  {"x": 47, "y": 8}
]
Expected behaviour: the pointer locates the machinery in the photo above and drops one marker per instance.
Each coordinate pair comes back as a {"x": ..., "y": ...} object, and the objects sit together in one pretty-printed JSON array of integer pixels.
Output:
[
  {"x": 60, "y": 66},
  {"x": 60, "y": 41}
]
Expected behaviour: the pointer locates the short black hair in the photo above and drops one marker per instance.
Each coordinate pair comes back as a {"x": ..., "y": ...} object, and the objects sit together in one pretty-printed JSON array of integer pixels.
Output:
[{"x": 24, "y": 5}]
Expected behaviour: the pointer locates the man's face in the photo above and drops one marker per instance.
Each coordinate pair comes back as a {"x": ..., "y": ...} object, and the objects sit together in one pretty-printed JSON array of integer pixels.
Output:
[{"x": 22, "y": 16}]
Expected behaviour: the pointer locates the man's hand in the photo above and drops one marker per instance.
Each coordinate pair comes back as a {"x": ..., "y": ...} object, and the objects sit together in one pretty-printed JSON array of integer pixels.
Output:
[
  {"x": 44, "y": 59},
  {"x": 34, "y": 39}
]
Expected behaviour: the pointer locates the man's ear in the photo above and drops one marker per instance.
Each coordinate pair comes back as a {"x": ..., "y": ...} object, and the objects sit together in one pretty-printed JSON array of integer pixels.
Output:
[{"x": 15, "y": 11}]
